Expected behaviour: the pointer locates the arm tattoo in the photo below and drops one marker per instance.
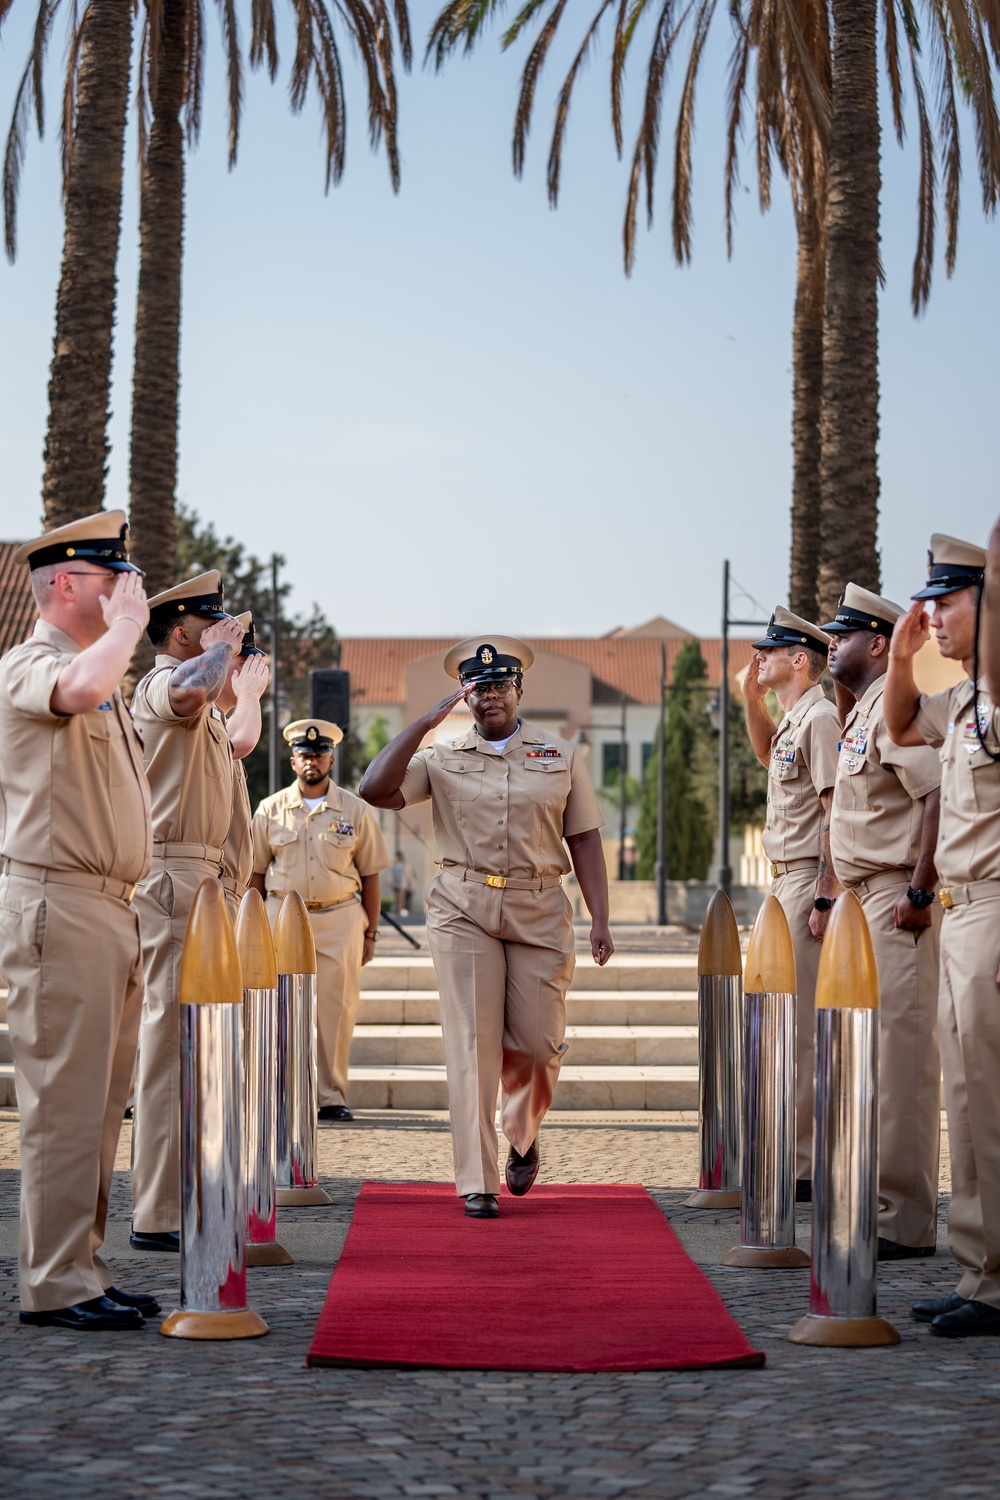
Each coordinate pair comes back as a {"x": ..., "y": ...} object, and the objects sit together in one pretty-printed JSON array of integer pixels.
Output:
[{"x": 206, "y": 672}]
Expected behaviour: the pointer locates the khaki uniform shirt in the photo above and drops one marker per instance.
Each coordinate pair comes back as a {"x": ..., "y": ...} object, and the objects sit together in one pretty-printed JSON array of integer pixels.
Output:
[
  {"x": 878, "y": 808},
  {"x": 189, "y": 763},
  {"x": 504, "y": 814},
  {"x": 323, "y": 854},
  {"x": 803, "y": 764},
  {"x": 73, "y": 794},
  {"x": 968, "y": 846},
  {"x": 237, "y": 851}
]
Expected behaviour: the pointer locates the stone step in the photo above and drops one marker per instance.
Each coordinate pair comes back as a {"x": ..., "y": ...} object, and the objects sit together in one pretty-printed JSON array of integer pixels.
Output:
[
  {"x": 6, "y": 1054},
  {"x": 8, "y": 1094},
  {"x": 617, "y": 1046},
  {"x": 628, "y": 971},
  {"x": 583, "y": 1008},
  {"x": 624, "y": 1088}
]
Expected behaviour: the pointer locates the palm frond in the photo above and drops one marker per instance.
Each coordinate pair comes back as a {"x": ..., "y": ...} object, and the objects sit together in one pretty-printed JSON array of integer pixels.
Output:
[
  {"x": 923, "y": 262},
  {"x": 234, "y": 72},
  {"x": 529, "y": 79},
  {"x": 28, "y": 97},
  {"x": 527, "y": 13},
  {"x": 461, "y": 23},
  {"x": 263, "y": 42},
  {"x": 142, "y": 109},
  {"x": 685, "y": 134},
  {"x": 562, "y": 104},
  {"x": 617, "y": 72},
  {"x": 67, "y": 121},
  {"x": 892, "y": 67},
  {"x": 648, "y": 137},
  {"x": 739, "y": 68}
]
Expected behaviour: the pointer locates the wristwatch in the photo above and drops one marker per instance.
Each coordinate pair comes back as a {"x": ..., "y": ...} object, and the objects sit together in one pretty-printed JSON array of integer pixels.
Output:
[
  {"x": 919, "y": 898},
  {"x": 373, "y": 935},
  {"x": 822, "y": 903}
]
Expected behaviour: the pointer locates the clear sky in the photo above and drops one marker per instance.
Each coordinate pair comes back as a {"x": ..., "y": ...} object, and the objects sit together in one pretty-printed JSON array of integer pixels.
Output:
[{"x": 449, "y": 409}]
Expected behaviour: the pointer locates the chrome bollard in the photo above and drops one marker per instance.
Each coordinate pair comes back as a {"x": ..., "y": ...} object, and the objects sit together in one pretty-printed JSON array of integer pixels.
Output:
[
  {"x": 842, "y": 1303},
  {"x": 767, "y": 1193},
  {"x": 260, "y": 1081},
  {"x": 295, "y": 952},
  {"x": 213, "y": 1200},
  {"x": 720, "y": 1058}
]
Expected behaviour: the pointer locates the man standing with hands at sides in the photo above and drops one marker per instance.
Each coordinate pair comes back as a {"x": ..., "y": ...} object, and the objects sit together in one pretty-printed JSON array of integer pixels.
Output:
[
  {"x": 317, "y": 839},
  {"x": 506, "y": 801},
  {"x": 964, "y": 723},
  {"x": 800, "y": 757},
  {"x": 75, "y": 840},
  {"x": 245, "y": 685},
  {"x": 882, "y": 837},
  {"x": 188, "y": 749}
]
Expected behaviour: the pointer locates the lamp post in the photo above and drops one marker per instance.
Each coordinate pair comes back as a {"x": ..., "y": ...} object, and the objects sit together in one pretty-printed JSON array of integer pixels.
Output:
[
  {"x": 725, "y": 872},
  {"x": 274, "y": 755},
  {"x": 623, "y": 800},
  {"x": 661, "y": 868}
]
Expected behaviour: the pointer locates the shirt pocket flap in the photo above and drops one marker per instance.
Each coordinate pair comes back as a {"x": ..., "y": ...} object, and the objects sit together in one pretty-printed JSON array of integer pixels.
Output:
[
  {"x": 462, "y": 764},
  {"x": 786, "y": 770},
  {"x": 279, "y": 838}
]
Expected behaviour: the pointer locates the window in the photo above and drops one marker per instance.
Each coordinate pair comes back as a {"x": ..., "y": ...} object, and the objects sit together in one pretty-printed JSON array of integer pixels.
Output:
[
  {"x": 647, "y": 756},
  {"x": 611, "y": 760}
]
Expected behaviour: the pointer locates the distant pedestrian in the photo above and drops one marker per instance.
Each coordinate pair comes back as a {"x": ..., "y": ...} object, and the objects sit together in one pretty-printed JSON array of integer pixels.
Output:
[{"x": 403, "y": 885}]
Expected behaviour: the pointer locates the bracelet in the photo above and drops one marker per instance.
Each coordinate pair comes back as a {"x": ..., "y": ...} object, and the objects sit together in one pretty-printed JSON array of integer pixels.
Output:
[{"x": 128, "y": 617}]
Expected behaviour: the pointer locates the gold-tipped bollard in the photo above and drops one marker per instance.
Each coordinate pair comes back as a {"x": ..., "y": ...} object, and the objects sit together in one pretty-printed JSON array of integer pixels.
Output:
[
  {"x": 260, "y": 1081},
  {"x": 842, "y": 1305},
  {"x": 767, "y": 1193},
  {"x": 213, "y": 1200},
  {"x": 720, "y": 1058},
  {"x": 295, "y": 951}
]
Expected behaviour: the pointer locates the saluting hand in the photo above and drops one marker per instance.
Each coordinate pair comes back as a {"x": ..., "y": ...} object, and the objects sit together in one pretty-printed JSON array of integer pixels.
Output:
[
  {"x": 227, "y": 632},
  {"x": 910, "y": 633},
  {"x": 437, "y": 715},
  {"x": 993, "y": 550},
  {"x": 752, "y": 685},
  {"x": 252, "y": 678},
  {"x": 127, "y": 601}
]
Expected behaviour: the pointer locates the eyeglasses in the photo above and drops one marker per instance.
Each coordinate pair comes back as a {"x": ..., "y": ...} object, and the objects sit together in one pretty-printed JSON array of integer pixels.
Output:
[{"x": 497, "y": 689}]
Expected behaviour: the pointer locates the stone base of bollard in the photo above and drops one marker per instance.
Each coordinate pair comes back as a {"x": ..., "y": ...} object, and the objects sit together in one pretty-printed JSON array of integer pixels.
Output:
[
  {"x": 271, "y": 1254},
  {"x": 713, "y": 1198},
  {"x": 184, "y": 1323},
  {"x": 843, "y": 1333},
  {"x": 766, "y": 1257},
  {"x": 302, "y": 1197}
]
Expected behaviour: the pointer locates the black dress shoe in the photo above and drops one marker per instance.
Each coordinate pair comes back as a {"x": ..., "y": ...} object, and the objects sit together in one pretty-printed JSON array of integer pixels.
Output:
[
  {"x": 335, "y": 1112},
  {"x": 803, "y": 1190},
  {"x": 892, "y": 1250},
  {"x": 482, "y": 1206},
  {"x": 521, "y": 1170},
  {"x": 933, "y": 1307},
  {"x": 141, "y": 1301},
  {"x": 967, "y": 1321},
  {"x": 167, "y": 1239},
  {"x": 99, "y": 1315}
]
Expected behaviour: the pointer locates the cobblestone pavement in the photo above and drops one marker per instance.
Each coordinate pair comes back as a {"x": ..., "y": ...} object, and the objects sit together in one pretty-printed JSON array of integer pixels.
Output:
[{"x": 139, "y": 1415}]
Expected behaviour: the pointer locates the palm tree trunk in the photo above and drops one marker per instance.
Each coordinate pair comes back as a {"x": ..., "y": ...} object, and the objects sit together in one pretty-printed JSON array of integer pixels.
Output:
[
  {"x": 807, "y": 398},
  {"x": 155, "y": 391},
  {"x": 76, "y": 441},
  {"x": 848, "y": 467}
]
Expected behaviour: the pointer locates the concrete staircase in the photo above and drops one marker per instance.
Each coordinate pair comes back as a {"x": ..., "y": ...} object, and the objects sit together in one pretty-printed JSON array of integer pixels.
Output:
[
  {"x": 631, "y": 1027},
  {"x": 632, "y": 1030}
]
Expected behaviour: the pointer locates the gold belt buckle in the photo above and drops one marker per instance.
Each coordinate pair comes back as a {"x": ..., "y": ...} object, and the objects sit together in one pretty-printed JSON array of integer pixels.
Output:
[
  {"x": 129, "y": 894},
  {"x": 944, "y": 896},
  {"x": 314, "y": 905},
  {"x": 497, "y": 880},
  {"x": 774, "y": 870}
]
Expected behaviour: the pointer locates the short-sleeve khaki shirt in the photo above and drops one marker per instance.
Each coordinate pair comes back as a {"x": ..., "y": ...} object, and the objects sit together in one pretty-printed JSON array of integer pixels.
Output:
[
  {"x": 323, "y": 854},
  {"x": 237, "y": 851},
  {"x": 968, "y": 846},
  {"x": 878, "y": 799},
  {"x": 189, "y": 763},
  {"x": 73, "y": 793},
  {"x": 504, "y": 814},
  {"x": 803, "y": 764}
]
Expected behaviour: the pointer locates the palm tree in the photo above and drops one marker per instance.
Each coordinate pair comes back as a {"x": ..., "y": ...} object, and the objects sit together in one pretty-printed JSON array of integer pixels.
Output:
[
  {"x": 95, "y": 102},
  {"x": 170, "y": 76}
]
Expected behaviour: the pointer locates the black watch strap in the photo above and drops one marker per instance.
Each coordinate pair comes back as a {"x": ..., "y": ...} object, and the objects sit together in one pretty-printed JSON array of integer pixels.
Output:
[
  {"x": 822, "y": 903},
  {"x": 919, "y": 898}
]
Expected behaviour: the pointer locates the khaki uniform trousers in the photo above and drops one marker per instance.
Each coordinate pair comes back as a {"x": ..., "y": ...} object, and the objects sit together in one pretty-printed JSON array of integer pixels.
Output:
[
  {"x": 73, "y": 961},
  {"x": 795, "y": 890},
  {"x": 504, "y": 960},
  {"x": 164, "y": 901},
  {"x": 909, "y": 1071},
  {"x": 339, "y": 935},
  {"x": 969, "y": 1021}
]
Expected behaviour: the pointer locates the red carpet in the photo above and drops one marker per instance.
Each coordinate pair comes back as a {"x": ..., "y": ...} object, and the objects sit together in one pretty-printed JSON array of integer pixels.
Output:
[{"x": 568, "y": 1278}]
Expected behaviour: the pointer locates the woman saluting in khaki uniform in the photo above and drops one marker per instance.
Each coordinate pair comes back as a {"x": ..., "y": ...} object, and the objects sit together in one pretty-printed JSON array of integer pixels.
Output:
[{"x": 506, "y": 801}]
